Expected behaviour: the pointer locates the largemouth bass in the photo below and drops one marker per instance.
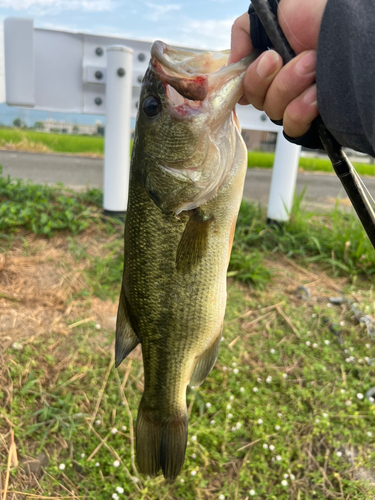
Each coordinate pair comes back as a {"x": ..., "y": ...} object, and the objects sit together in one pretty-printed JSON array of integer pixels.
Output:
[{"x": 187, "y": 173}]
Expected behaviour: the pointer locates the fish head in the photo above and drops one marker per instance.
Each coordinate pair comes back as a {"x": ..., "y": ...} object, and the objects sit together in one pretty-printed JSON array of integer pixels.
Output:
[{"x": 185, "y": 133}]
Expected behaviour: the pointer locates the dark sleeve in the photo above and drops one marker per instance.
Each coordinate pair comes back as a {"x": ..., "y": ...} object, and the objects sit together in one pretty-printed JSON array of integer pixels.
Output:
[{"x": 346, "y": 72}]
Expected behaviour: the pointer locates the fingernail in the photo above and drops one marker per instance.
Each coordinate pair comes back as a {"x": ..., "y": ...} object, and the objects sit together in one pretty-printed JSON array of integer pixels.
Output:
[
  {"x": 267, "y": 64},
  {"x": 310, "y": 96},
  {"x": 307, "y": 64}
]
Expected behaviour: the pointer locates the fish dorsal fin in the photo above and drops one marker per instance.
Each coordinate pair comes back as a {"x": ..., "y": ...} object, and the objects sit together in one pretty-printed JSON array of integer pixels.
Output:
[
  {"x": 205, "y": 362},
  {"x": 126, "y": 339},
  {"x": 193, "y": 243}
]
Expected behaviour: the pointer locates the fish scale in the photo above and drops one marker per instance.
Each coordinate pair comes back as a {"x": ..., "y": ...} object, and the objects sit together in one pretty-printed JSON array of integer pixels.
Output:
[{"x": 175, "y": 261}]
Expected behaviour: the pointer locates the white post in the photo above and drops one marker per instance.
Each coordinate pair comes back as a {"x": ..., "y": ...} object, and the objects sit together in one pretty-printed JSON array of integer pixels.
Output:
[
  {"x": 283, "y": 182},
  {"x": 117, "y": 129}
]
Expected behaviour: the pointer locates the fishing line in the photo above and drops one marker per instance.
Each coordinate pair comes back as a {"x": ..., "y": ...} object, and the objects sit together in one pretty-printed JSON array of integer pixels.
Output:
[{"x": 352, "y": 183}]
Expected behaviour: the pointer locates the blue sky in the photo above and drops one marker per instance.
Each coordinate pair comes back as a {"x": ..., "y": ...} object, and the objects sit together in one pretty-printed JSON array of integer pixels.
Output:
[{"x": 196, "y": 23}]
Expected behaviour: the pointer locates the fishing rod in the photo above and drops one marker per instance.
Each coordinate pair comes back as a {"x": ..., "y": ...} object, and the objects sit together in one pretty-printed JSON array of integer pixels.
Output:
[{"x": 352, "y": 183}]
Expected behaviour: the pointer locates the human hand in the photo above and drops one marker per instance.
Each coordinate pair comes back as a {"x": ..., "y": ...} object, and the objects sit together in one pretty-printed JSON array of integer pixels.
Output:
[{"x": 288, "y": 92}]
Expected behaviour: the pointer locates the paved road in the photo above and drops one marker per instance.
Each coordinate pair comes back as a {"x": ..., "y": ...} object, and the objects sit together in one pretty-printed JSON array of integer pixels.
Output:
[{"x": 80, "y": 172}]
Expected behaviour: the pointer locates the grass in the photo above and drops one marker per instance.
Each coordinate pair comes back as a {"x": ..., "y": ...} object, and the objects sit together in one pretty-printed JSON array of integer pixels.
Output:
[
  {"x": 257, "y": 159},
  {"x": 279, "y": 417},
  {"x": 29, "y": 140}
]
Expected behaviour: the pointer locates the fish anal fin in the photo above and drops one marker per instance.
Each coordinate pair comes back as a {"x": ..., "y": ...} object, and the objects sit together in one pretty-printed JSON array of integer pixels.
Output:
[
  {"x": 205, "y": 362},
  {"x": 193, "y": 243},
  {"x": 126, "y": 339}
]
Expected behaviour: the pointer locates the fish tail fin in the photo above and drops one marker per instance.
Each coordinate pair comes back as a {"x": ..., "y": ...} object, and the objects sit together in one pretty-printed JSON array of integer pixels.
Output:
[{"x": 160, "y": 443}]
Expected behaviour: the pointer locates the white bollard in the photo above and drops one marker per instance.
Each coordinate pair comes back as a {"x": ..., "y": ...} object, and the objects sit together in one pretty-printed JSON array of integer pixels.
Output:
[
  {"x": 283, "y": 182},
  {"x": 117, "y": 129}
]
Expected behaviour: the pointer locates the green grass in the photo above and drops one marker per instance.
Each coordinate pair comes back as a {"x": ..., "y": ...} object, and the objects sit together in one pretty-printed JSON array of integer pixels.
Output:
[
  {"x": 58, "y": 143},
  {"x": 258, "y": 159},
  {"x": 280, "y": 405}
]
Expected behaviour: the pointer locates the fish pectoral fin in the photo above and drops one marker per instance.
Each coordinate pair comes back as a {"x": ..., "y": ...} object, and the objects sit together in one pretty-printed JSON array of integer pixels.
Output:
[
  {"x": 193, "y": 243},
  {"x": 126, "y": 339},
  {"x": 205, "y": 362}
]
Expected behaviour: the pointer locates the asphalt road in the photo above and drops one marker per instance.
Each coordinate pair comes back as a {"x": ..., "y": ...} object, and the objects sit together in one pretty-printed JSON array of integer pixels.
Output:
[{"x": 80, "y": 172}]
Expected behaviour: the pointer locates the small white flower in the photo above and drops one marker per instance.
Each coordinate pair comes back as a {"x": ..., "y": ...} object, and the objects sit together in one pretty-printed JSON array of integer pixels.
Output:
[
  {"x": 339, "y": 453},
  {"x": 278, "y": 458},
  {"x": 259, "y": 379},
  {"x": 329, "y": 305},
  {"x": 238, "y": 425},
  {"x": 229, "y": 407},
  {"x": 221, "y": 497},
  {"x": 369, "y": 433},
  {"x": 342, "y": 323},
  {"x": 277, "y": 427},
  {"x": 324, "y": 368},
  {"x": 269, "y": 379},
  {"x": 233, "y": 429},
  {"x": 194, "y": 455},
  {"x": 313, "y": 315},
  {"x": 342, "y": 391},
  {"x": 225, "y": 368},
  {"x": 194, "y": 438},
  {"x": 360, "y": 395},
  {"x": 135, "y": 479},
  {"x": 120, "y": 489},
  {"x": 255, "y": 389},
  {"x": 212, "y": 422},
  {"x": 236, "y": 371},
  {"x": 360, "y": 361},
  {"x": 347, "y": 360},
  {"x": 272, "y": 351},
  {"x": 368, "y": 346},
  {"x": 286, "y": 476},
  {"x": 367, "y": 359},
  {"x": 82, "y": 455},
  {"x": 114, "y": 431},
  {"x": 292, "y": 477},
  {"x": 97, "y": 464},
  {"x": 116, "y": 463},
  {"x": 279, "y": 415},
  {"x": 308, "y": 343},
  {"x": 98, "y": 422},
  {"x": 260, "y": 421},
  {"x": 17, "y": 346},
  {"x": 242, "y": 389},
  {"x": 272, "y": 447},
  {"x": 317, "y": 421},
  {"x": 348, "y": 403},
  {"x": 123, "y": 427},
  {"x": 115, "y": 496},
  {"x": 325, "y": 415},
  {"x": 284, "y": 482},
  {"x": 208, "y": 405},
  {"x": 251, "y": 493},
  {"x": 351, "y": 348},
  {"x": 193, "y": 387},
  {"x": 285, "y": 375},
  {"x": 371, "y": 399},
  {"x": 234, "y": 364},
  {"x": 97, "y": 326},
  {"x": 327, "y": 342},
  {"x": 222, "y": 339},
  {"x": 265, "y": 446},
  {"x": 231, "y": 398},
  {"x": 62, "y": 466},
  {"x": 315, "y": 346},
  {"x": 230, "y": 415},
  {"x": 193, "y": 472},
  {"x": 182, "y": 480}
]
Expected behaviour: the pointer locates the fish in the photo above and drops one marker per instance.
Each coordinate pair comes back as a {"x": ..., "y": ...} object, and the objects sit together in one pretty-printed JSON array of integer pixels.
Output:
[{"x": 186, "y": 181}]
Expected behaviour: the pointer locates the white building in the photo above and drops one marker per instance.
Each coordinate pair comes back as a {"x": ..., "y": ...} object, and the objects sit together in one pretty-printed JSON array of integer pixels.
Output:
[{"x": 63, "y": 127}]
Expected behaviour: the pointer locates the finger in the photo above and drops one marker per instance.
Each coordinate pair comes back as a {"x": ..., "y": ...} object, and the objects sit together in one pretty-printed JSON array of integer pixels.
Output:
[
  {"x": 290, "y": 82},
  {"x": 240, "y": 45},
  {"x": 300, "y": 113},
  {"x": 259, "y": 76}
]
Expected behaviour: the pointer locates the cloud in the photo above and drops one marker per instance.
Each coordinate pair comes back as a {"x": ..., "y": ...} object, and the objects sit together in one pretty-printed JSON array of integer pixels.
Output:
[
  {"x": 207, "y": 34},
  {"x": 159, "y": 11},
  {"x": 82, "y": 5}
]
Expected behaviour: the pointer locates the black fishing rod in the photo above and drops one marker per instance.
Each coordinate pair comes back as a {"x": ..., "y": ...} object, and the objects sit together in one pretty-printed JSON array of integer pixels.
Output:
[{"x": 340, "y": 162}]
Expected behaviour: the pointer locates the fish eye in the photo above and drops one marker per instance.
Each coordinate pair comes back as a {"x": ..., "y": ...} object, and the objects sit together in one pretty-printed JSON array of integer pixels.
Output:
[{"x": 151, "y": 106}]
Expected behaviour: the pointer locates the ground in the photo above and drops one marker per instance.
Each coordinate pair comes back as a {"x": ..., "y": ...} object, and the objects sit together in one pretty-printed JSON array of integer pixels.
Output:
[{"x": 283, "y": 415}]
